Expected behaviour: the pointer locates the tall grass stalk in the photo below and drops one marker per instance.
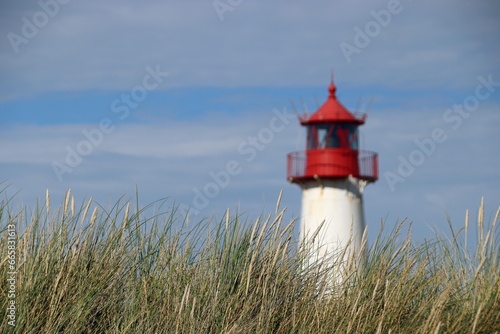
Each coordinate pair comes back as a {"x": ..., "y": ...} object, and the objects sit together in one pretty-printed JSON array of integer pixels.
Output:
[{"x": 91, "y": 270}]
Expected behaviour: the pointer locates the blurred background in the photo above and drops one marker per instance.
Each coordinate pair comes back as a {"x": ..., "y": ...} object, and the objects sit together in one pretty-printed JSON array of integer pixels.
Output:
[{"x": 197, "y": 102}]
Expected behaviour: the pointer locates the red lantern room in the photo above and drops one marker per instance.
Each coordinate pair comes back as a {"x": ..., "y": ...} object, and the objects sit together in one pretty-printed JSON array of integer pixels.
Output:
[{"x": 332, "y": 146}]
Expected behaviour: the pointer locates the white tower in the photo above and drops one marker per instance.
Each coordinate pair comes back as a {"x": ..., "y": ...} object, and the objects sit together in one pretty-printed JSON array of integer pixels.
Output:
[{"x": 332, "y": 173}]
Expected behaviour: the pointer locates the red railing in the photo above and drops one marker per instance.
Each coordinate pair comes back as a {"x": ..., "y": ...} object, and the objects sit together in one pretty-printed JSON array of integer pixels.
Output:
[{"x": 366, "y": 168}]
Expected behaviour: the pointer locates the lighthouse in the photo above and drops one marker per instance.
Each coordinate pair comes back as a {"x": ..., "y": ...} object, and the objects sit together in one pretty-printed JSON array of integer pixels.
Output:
[{"x": 332, "y": 172}]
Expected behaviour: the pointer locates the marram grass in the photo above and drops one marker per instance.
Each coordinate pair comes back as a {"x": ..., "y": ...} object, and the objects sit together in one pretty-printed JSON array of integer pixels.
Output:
[{"x": 89, "y": 270}]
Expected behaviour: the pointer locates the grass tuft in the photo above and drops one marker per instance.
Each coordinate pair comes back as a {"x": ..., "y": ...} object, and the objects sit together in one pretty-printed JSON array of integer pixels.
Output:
[{"x": 89, "y": 270}]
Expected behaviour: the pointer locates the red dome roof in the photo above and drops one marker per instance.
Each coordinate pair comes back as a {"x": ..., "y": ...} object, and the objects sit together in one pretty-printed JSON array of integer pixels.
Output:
[{"x": 332, "y": 111}]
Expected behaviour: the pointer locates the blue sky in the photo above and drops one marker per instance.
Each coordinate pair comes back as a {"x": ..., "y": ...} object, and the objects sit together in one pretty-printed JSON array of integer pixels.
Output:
[{"x": 233, "y": 67}]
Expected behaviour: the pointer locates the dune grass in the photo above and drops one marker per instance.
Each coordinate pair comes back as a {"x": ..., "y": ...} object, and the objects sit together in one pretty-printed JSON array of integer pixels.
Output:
[{"x": 89, "y": 270}]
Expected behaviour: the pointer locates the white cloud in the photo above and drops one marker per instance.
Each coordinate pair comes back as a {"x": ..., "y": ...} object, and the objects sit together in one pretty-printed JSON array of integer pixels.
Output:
[
  {"x": 171, "y": 159},
  {"x": 94, "y": 45}
]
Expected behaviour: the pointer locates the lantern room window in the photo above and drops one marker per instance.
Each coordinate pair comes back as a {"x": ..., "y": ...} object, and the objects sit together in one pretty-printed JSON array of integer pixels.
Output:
[{"x": 337, "y": 135}]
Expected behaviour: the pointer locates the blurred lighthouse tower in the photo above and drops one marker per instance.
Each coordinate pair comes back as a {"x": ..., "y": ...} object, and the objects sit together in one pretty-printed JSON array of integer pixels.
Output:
[{"x": 332, "y": 173}]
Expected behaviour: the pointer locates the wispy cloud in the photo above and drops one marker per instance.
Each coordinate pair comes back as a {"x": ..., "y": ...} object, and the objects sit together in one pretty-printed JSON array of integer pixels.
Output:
[{"x": 106, "y": 45}]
